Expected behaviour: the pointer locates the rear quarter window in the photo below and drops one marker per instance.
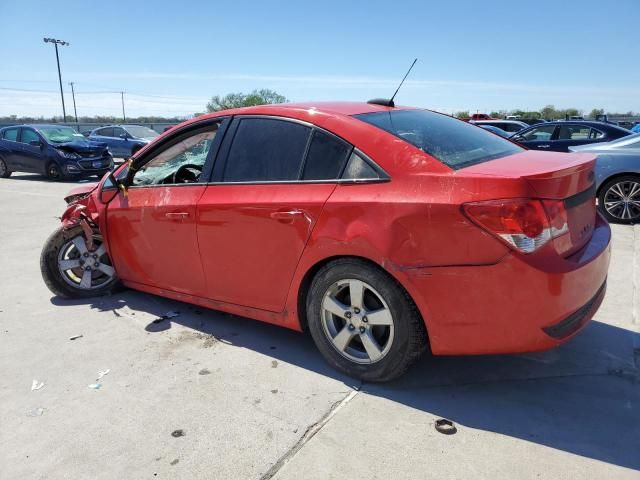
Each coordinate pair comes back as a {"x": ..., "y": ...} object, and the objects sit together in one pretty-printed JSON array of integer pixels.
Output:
[{"x": 455, "y": 143}]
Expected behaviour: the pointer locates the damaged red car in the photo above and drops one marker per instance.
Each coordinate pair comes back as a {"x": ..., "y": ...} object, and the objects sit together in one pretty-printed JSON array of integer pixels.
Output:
[{"x": 383, "y": 231}]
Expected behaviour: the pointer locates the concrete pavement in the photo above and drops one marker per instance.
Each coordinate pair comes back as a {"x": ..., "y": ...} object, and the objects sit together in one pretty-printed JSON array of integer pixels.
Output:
[{"x": 256, "y": 401}]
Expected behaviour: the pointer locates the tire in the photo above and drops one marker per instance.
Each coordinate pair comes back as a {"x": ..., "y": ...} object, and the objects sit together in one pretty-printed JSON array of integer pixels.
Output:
[
  {"x": 4, "y": 170},
  {"x": 399, "y": 332},
  {"x": 72, "y": 283},
  {"x": 54, "y": 172},
  {"x": 619, "y": 199}
]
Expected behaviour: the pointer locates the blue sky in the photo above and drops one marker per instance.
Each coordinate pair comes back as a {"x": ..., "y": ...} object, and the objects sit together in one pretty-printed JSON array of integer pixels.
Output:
[{"x": 170, "y": 57}]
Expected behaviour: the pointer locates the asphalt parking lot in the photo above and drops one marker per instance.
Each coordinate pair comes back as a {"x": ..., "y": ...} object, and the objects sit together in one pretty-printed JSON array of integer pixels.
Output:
[{"x": 210, "y": 395}]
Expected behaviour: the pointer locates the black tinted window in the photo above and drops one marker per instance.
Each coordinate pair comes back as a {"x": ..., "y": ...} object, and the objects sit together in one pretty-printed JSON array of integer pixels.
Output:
[
  {"x": 266, "y": 149},
  {"x": 326, "y": 157},
  {"x": 106, "y": 132},
  {"x": 453, "y": 142},
  {"x": 359, "y": 169}
]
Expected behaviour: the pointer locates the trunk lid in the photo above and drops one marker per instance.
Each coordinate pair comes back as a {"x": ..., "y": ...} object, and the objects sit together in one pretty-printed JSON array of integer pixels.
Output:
[{"x": 554, "y": 176}]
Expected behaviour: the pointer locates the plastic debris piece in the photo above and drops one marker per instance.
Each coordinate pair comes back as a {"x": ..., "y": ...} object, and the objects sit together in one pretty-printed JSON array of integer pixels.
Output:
[
  {"x": 75, "y": 337},
  {"x": 36, "y": 412},
  {"x": 169, "y": 315},
  {"x": 178, "y": 433},
  {"x": 95, "y": 386},
  {"x": 35, "y": 385},
  {"x": 445, "y": 426},
  {"x": 103, "y": 373}
]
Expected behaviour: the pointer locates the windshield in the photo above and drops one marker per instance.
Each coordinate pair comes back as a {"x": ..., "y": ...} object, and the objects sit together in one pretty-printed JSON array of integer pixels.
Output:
[
  {"x": 61, "y": 134},
  {"x": 141, "y": 132},
  {"x": 455, "y": 143},
  {"x": 631, "y": 141}
]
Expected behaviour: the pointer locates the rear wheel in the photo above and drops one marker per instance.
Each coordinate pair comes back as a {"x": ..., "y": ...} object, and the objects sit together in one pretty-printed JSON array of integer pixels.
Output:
[
  {"x": 4, "y": 170},
  {"x": 54, "y": 173},
  {"x": 70, "y": 269},
  {"x": 619, "y": 199},
  {"x": 363, "y": 322}
]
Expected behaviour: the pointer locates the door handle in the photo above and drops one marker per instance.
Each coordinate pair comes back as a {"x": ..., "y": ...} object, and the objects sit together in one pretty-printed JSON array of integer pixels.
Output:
[
  {"x": 286, "y": 215},
  {"x": 544, "y": 146},
  {"x": 177, "y": 215}
]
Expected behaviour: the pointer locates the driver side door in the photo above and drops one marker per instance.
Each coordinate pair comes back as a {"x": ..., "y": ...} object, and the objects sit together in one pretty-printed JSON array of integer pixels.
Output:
[{"x": 152, "y": 229}]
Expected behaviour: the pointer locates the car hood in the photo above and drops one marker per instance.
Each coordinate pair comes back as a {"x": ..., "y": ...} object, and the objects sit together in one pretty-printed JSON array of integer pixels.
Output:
[{"x": 82, "y": 147}]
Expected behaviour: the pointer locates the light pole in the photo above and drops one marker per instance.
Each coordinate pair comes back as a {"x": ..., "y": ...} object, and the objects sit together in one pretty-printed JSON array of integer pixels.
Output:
[
  {"x": 55, "y": 44},
  {"x": 124, "y": 117},
  {"x": 75, "y": 112}
]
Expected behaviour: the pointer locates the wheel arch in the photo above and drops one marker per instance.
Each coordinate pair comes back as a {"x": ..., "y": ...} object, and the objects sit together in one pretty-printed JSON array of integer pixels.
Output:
[
  {"x": 615, "y": 176},
  {"x": 307, "y": 278}
]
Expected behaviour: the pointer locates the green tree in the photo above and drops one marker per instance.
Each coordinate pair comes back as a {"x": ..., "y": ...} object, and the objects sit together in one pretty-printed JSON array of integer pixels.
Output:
[
  {"x": 236, "y": 100},
  {"x": 462, "y": 114},
  {"x": 549, "y": 112},
  {"x": 595, "y": 112}
]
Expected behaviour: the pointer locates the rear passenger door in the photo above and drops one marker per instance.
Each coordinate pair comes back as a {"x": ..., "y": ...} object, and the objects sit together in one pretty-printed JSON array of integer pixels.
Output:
[
  {"x": 270, "y": 183},
  {"x": 32, "y": 156},
  {"x": 576, "y": 134},
  {"x": 11, "y": 150},
  {"x": 538, "y": 138},
  {"x": 105, "y": 135}
]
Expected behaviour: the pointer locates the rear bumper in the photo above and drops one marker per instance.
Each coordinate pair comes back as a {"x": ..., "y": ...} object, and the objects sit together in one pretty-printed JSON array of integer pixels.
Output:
[{"x": 516, "y": 305}]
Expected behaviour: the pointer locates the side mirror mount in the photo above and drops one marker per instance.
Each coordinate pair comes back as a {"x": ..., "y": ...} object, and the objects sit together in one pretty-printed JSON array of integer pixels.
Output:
[
  {"x": 124, "y": 136},
  {"x": 518, "y": 138},
  {"x": 110, "y": 189},
  {"x": 35, "y": 143}
]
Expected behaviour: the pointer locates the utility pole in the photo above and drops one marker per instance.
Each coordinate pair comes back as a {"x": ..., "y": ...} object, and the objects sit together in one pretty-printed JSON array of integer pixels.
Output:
[
  {"x": 75, "y": 112},
  {"x": 124, "y": 117},
  {"x": 55, "y": 44}
]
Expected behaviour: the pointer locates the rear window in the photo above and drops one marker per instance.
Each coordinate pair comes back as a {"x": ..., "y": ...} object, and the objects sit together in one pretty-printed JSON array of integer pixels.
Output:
[{"x": 455, "y": 143}]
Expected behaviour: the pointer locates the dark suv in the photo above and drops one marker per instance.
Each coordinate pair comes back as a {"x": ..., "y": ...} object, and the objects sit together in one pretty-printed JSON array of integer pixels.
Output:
[{"x": 55, "y": 151}]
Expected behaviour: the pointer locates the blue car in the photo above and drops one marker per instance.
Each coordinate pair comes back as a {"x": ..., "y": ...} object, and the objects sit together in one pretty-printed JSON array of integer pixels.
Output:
[
  {"x": 123, "y": 140},
  {"x": 496, "y": 130},
  {"x": 559, "y": 136},
  {"x": 56, "y": 151}
]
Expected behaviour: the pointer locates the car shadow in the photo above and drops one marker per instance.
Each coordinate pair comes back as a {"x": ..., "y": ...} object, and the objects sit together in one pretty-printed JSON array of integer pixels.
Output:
[{"x": 582, "y": 398}]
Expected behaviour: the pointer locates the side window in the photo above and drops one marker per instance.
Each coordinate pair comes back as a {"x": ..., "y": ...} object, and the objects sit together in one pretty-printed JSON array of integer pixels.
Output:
[
  {"x": 325, "y": 158},
  {"x": 574, "y": 132},
  {"x": 106, "y": 132},
  {"x": 594, "y": 134},
  {"x": 11, "y": 134},
  {"x": 117, "y": 131},
  {"x": 359, "y": 169},
  {"x": 182, "y": 162},
  {"x": 266, "y": 149},
  {"x": 28, "y": 135},
  {"x": 540, "y": 134}
]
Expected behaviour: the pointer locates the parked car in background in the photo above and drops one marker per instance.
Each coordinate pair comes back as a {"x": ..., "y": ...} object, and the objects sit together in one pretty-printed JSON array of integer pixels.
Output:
[
  {"x": 496, "y": 130},
  {"x": 559, "y": 136},
  {"x": 361, "y": 223},
  {"x": 55, "y": 151},
  {"x": 511, "y": 126},
  {"x": 123, "y": 140},
  {"x": 532, "y": 121},
  {"x": 617, "y": 177},
  {"x": 636, "y": 128}
]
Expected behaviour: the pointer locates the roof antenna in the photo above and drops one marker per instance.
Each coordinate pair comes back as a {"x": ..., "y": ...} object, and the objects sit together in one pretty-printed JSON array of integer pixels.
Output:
[{"x": 389, "y": 103}]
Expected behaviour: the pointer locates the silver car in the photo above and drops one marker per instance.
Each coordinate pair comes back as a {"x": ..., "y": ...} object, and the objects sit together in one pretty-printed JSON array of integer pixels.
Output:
[{"x": 617, "y": 177}]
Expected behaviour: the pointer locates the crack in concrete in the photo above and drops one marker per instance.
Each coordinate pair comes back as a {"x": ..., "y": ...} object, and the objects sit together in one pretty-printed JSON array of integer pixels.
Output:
[{"x": 310, "y": 432}]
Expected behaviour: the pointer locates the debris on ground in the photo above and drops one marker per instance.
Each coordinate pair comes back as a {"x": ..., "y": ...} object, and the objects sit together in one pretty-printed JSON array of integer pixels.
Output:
[
  {"x": 75, "y": 337},
  {"x": 36, "y": 412},
  {"x": 204, "y": 371},
  {"x": 35, "y": 385},
  {"x": 274, "y": 364},
  {"x": 173, "y": 462},
  {"x": 178, "y": 433},
  {"x": 275, "y": 390},
  {"x": 169, "y": 315},
  {"x": 95, "y": 386},
  {"x": 445, "y": 426},
  {"x": 102, "y": 373}
]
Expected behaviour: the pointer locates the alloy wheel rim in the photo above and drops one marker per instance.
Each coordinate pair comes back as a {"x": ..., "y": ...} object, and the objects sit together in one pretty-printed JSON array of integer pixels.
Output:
[
  {"x": 83, "y": 268},
  {"x": 357, "y": 321},
  {"x": 53, "y": 171},
  {"x": 622, "y": 200}
]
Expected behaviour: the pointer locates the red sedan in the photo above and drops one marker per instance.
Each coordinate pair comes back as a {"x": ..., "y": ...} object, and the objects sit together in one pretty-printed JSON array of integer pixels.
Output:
[{"x": 382, "y": 231}]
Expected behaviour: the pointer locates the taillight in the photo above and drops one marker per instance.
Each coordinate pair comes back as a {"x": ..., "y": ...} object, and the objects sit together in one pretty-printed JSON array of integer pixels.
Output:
[{"x": 525, "y": 224}]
